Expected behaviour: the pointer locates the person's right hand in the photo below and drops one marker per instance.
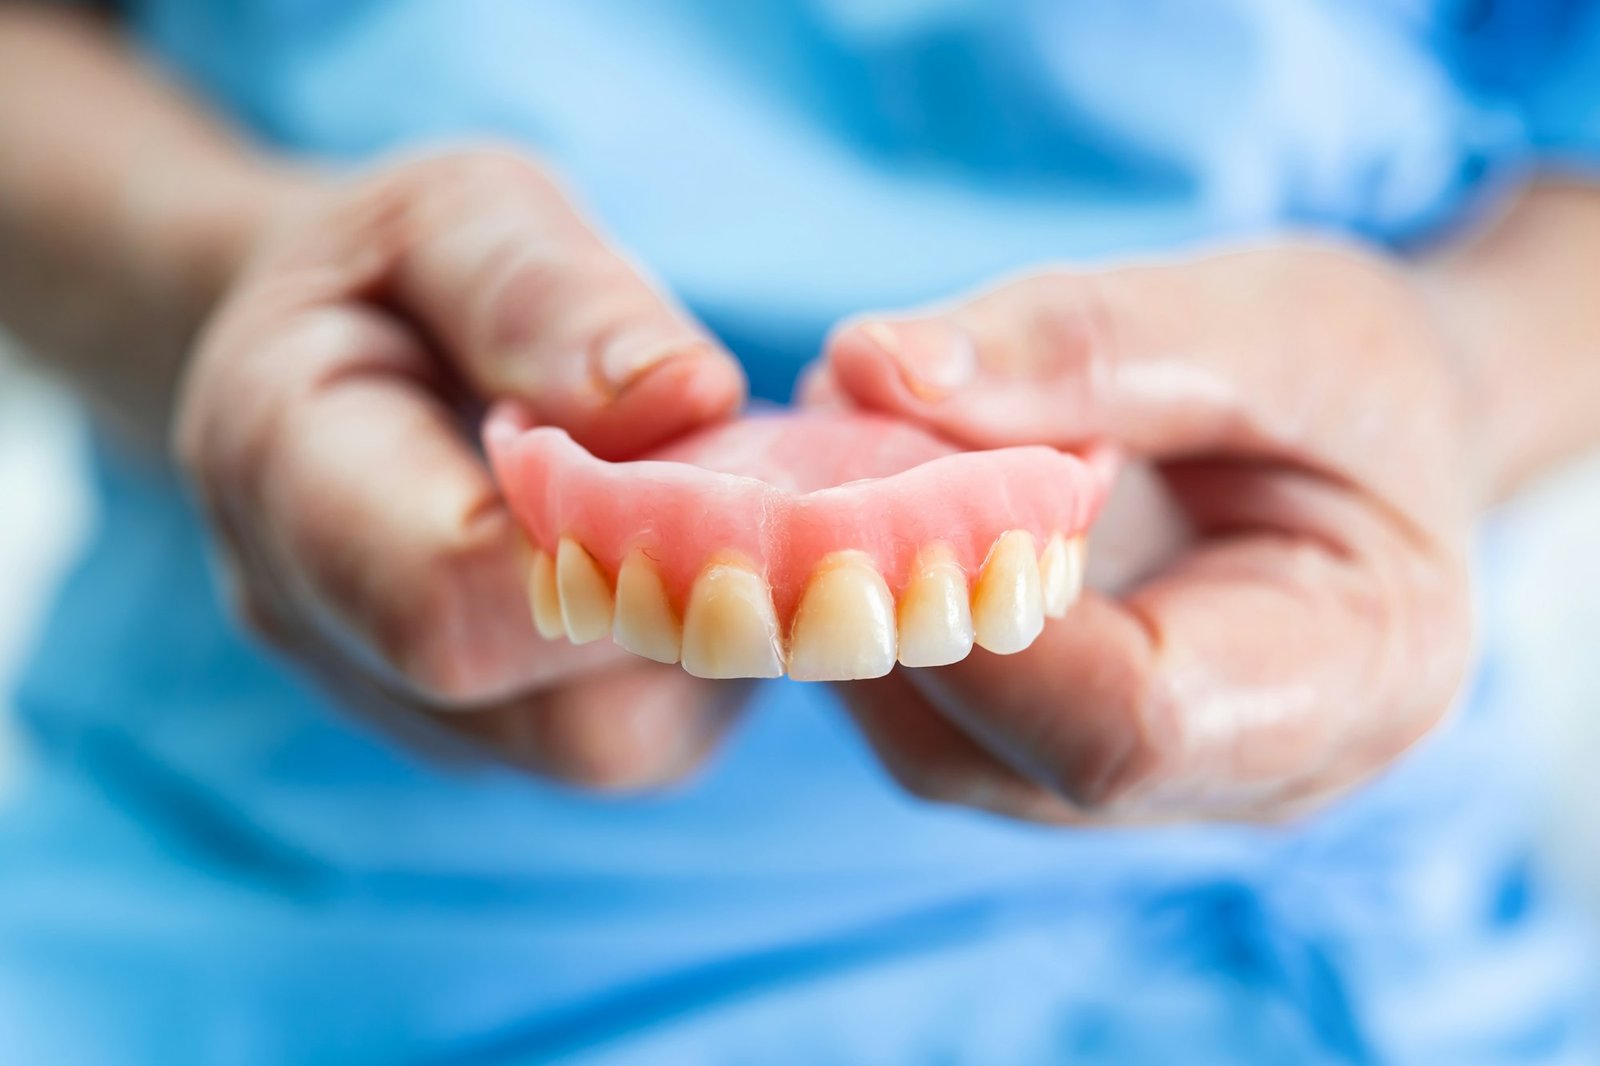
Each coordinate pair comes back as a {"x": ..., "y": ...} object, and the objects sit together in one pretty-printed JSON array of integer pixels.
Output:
[
  {"x": 326, "y": 421},
  {"x": 1318, "y": 436}
]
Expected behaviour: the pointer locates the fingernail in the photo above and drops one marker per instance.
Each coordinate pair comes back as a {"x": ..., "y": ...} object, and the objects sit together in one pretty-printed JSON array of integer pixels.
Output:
[
  {"x": 628, "y": 355},
  {"x": 935, "y": 357}
]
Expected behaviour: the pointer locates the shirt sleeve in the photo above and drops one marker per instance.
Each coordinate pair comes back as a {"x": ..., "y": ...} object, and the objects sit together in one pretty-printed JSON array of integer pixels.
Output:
[
  {"x": 1561, "y": 102},
  {"x": 1535, "y": 63}
]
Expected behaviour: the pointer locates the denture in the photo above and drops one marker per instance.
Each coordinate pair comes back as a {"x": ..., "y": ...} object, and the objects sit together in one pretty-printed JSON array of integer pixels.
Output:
[{"x": 824, "y": 545}]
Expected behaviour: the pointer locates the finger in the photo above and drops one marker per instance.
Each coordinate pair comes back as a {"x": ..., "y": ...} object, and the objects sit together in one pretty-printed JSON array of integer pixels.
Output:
[
  {"x": 529, "y": 301},
  {"x": 1259, "y": 668},
  {"x": 640, "y": 726},
  {"x": 316, "y": 429},
  {"x": 352, "y": 493},
  {"x": 437, "y": 587},
  {"x": 1205, "y": 357},
  {"x": 818, "y": 389},
  {"x": 933, "y": 760},
  {"x": 636, "y": 726}
]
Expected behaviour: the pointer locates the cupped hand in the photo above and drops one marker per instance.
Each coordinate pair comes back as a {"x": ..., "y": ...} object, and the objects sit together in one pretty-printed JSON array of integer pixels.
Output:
[
  {"x": 327, "y": 422},
  {"x": 1312, "y": 621}
]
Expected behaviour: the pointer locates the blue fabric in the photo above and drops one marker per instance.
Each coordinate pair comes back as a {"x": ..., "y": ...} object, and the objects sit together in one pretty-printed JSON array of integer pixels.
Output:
[
  {"x": 212, "y": 865},
  {"x": 1540, "y": 59}
]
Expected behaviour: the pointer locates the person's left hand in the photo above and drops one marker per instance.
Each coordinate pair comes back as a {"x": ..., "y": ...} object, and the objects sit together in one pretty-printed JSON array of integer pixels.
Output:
[{"x": 1308, "y": 424}]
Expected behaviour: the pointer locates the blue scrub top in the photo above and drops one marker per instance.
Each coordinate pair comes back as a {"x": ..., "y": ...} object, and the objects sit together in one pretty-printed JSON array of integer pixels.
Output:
[{"x": 211, "y": 864}]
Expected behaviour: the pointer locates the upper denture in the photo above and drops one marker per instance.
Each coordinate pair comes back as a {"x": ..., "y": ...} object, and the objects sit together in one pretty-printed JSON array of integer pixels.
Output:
[{"x": 798, "y": 499}]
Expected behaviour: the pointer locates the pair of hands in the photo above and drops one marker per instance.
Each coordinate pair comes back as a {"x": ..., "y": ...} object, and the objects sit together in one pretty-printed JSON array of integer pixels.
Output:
[{"x": 1301, "y": 617}]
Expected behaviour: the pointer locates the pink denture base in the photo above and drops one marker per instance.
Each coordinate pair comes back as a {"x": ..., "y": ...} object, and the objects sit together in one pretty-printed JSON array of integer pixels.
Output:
[{"x": 783, "y": 490}]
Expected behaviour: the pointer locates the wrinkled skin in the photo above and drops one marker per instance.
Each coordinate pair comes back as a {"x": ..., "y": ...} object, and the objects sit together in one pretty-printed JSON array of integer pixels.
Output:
[
  {"x": 1308, "y": 615},
  {"x": 1294, "y": 401},
  {"x": 327, "y": 420}
]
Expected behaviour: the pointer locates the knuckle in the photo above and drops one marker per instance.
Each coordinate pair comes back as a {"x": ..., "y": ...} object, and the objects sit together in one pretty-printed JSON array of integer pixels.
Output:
[
  {"x": 1074, "y": 322},
  {"x": 438, "y": 192},
  {"x": 1091, "y": 319},
  {"x": 579, "y": 303},
  {"x": 597, "y": 752},
  {"x": 482, "y": 168},
  {"x": 1383, "y": 315},
  {"x": 503, "y": 166},
  {"x": 540, "y": 286}
]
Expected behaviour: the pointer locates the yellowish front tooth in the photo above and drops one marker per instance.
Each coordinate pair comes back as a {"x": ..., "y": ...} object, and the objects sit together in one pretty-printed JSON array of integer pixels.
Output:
[
  {"x": 1007, "y": 602},
  {"x": 844, "y": 628},
  {"x": 1061, "y": 573},
  {"x": 542, "y": 596},
  {"x": 585, "y": 593},
  {"x": 644, "y": 623},
  {"x": 1077, "y": 565},
  {"x": 729, "y": 627},
  {"x": 935, "y": 618}
]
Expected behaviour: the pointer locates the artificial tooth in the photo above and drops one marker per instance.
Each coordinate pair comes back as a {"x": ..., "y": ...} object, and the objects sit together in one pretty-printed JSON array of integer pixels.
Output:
[
  {"x": 1007, "y": 602},
  {"x": 935, "y": 618},
  {"x": 644, "y": 623},
  {"x": 1061, "y": 574},
  {"x": 586, "y": 605},
  {"x": 1078, "y": 565},
  {"x": 542, "y": 596},
  {"x": 844, "y": 628},
  {"x": 729, "y": 627}
]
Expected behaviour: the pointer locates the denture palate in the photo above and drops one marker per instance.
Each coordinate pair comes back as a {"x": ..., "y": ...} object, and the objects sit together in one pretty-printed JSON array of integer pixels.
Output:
[{"x": 847, "y": 623}]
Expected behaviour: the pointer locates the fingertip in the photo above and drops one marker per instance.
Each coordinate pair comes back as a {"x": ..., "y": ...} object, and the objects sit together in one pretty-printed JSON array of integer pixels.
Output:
[
  {"x": 864, "y": 372},
  {"x": 941, "y": 372},
  {"x": 714, "y": 385},
  {"x": 695, "y": 387},
  {"x": 817, "y": 388},
  {"x": 908, "y": 360}
]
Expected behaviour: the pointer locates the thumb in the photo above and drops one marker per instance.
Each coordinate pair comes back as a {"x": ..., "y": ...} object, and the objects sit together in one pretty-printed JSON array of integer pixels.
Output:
[
  {"x": 527, "y": 300},
  {"x": 1319, "y": 359},
  {"x": 1050, "y": 358}
]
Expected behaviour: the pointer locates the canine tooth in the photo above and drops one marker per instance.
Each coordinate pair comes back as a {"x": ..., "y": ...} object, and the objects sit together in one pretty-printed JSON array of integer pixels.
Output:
[
  {"x": 542, "y": 596},
  {"x": 644, "y": 623},
  {"x": 844, "y": 628},
  {"x": 1007, "y": 602},
  {"x": 1061, "y": 573},
  {"x": 935, "y": 618},
  {"x": 729, "y": 627},
  {"x": 585, "y": 594}
]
